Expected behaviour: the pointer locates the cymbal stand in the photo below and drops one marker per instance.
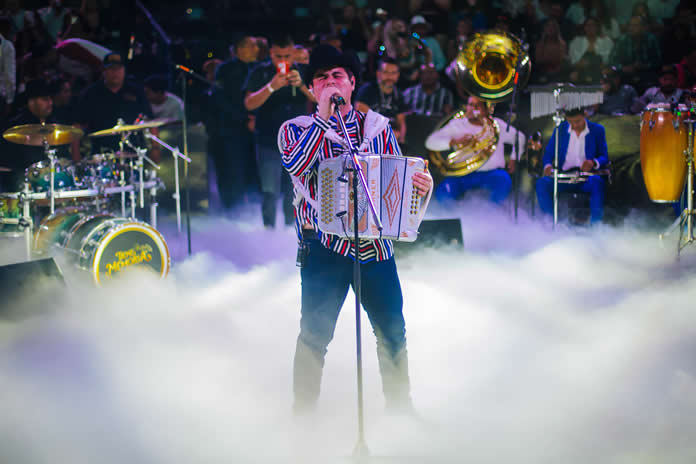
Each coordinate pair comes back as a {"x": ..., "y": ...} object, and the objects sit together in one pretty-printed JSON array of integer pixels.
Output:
[
  {"x": 176, "y": 154},
  {"x": 26, "y": 222},
  {"x": 139, "y": 164},
  {"x": 557, "y": 120},
  {"x": 686, "y": 219},
  {"x": 51, "y": 155}
]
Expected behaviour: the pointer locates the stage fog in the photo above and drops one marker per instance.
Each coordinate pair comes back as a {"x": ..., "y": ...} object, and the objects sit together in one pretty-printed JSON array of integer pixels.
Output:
[{"x": 527, "y": 345}]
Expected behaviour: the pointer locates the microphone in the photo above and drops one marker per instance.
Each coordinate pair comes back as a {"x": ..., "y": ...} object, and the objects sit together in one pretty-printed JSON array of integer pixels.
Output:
[{"x": 337, "y": 100}]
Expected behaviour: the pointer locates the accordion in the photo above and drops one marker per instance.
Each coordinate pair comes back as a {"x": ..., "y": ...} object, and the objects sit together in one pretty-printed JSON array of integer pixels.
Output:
[{"x": 389, "y": 179}]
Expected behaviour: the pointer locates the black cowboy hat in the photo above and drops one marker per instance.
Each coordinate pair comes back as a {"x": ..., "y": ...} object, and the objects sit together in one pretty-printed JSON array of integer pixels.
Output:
[{"x": 326, "y": 57}]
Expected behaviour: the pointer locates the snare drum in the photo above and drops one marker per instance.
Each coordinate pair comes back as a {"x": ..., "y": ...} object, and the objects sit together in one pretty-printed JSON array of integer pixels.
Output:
[
  {"x": 39, "y": 175},
  {"x": 663, "y": 140},
  {"x": 105, "y": 245}
]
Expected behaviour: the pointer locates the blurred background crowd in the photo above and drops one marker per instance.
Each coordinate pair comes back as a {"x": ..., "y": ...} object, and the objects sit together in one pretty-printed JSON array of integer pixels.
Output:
[{"x": 641, "y": 52}]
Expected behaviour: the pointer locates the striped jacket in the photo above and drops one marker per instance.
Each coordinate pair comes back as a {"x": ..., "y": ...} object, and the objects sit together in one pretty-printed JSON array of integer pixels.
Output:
[{"x": 304, "y": 143}]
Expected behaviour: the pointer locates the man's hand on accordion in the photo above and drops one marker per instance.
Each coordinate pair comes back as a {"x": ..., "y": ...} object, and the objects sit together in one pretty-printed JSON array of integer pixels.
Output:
[{"x": 423, "y": 182}]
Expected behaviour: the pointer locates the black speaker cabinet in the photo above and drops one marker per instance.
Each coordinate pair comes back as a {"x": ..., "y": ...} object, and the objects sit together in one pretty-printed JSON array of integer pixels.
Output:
[{"x": 30, "y": 287}]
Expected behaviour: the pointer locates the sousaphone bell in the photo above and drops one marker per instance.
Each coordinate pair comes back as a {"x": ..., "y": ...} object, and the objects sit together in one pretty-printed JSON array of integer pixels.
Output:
[{"x": 487, "y": 68}]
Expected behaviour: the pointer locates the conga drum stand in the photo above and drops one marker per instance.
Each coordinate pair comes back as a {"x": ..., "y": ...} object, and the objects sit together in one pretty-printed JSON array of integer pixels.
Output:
[{"x": 686, "y": 219}]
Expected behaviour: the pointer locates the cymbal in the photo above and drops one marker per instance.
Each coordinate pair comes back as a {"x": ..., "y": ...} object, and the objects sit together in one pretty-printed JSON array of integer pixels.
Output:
[
  {"x": 35, "y": 134},
  {"x": 121, "y": 128},
  {"x": 4, "y": 169}
]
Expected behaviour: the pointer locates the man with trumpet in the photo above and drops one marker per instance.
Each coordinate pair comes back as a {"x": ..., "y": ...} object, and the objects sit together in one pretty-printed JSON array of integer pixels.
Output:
[{"x": 476, "y": 139}]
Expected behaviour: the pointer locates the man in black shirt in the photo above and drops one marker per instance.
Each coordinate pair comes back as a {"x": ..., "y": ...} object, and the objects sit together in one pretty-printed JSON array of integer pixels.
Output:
[
  {"x": 18, "y": 157},
  {"x": 234, "y": 162},
  {"x": 275, "y": 92},
  {"x": 113, "y": 98},
  {"x": 385, "y": 98}
]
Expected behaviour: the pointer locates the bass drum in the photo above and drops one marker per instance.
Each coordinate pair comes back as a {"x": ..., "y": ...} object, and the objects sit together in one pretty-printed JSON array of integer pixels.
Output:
[{"x": 105, "y": 245}]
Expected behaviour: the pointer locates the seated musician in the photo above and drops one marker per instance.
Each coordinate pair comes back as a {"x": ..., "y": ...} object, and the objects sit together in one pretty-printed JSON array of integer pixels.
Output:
[
  {"x": 492, "y": 176},
  {"x": 581, "y": 145},
  {"x": 17, "y": 157},
  {"x": 326, "y": 259}
]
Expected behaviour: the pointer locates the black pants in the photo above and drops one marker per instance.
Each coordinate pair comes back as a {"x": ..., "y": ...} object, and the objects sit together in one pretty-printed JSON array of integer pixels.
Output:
[{"x": 326, "y": 277}]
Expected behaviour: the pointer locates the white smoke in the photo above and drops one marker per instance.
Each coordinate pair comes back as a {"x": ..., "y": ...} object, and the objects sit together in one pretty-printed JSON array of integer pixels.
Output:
[{"x": 529, "y": 345}]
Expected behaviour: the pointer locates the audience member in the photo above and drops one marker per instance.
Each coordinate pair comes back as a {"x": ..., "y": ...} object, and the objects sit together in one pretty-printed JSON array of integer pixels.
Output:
[
  {"x": 422, "y": 30},
  {"x": 637, "y": 54},
  {"x": 63, "y": 101},
  {"x": 385, "y": 98},
  {"x": 429, "y": 98},
  {"x": 274, "y": 95},
  {"x": 666, "y": 92},
  {"x": 235, "y": 160},
  {"x": 618, "y": 98},
  {"x": 551, "y": 54},
  {"x": 8, "y": 68},
  {"x": 588, "y": 53},
  {"x": 686, "y": 69},
  {"x": 164, "y": 104}
]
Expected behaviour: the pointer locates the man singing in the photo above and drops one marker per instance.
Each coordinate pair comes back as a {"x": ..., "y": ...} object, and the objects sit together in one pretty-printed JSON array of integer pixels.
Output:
[{"x": 327, "y": 260}]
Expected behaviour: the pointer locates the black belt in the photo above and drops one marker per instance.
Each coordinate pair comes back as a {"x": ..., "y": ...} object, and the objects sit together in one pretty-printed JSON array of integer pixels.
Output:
[{"x": 309, "y": 234}]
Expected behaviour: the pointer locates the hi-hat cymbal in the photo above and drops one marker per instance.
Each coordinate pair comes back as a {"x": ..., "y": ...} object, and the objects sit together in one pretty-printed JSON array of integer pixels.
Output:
[
  {"x": 36, "y": 134},
  {"x": 121, "y": 128}
]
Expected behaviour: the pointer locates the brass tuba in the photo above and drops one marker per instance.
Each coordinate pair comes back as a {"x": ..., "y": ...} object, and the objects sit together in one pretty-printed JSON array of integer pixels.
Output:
[{"x": 485, "y": 68}]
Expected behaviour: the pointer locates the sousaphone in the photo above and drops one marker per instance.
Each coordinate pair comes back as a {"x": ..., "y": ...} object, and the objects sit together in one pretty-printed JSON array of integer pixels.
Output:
[{"x": 486, "y": 67}]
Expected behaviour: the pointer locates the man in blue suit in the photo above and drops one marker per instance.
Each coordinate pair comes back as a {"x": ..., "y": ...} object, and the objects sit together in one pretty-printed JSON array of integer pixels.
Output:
[{"x": 582, "y": 145}]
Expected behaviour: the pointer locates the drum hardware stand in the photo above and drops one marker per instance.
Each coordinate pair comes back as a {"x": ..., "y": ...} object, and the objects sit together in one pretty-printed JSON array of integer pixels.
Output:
[
  {"x": 122, "y": 183},
  {"x": 51, "y": 155},
  {"x": 513, "y": 110},
  {"x": 361, "y": 450},
  {"x": 139, "y": 164},
  {"x": 686, "y": 218},
  {"x": 177, "y": 197},
  {"x": 182, "y": 77},
  {"x": 153, "y": 200},
  {"x": 26, "y": 222}
]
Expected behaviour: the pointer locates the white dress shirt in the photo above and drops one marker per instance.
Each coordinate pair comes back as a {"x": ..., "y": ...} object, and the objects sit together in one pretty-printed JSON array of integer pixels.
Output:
[
  {"x": 576, "y": 149},
  {"x": 440, "y": 140}
]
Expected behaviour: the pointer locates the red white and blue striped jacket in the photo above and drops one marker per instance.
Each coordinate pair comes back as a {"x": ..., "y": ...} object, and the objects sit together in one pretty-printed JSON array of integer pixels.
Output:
[{"x": 303, "y": 144}]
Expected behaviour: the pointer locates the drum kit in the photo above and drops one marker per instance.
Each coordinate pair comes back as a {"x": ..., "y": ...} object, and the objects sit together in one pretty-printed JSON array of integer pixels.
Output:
[{"x": 78, "y": 202}]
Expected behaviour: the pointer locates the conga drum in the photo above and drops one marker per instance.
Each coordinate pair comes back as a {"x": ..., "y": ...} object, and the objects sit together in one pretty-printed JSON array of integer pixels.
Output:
[{"x": 663, "y": 140}]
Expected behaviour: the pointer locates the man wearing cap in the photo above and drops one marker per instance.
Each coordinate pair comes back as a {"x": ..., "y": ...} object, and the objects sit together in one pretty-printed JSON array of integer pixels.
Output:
[
  {"x": 618, "y": 98},
  {"x": 17, "y": 157},
  {"x": 666, "y": 92},
  {"x": 274, "y": 90},
  {"x": 327, "y": 260},
  {"x": 105, "y": 102},
  {"x": 421, "y": 30}
]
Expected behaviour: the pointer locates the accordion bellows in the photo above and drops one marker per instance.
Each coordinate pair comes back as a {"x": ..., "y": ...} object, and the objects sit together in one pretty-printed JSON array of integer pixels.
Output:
[{"x": 389, "y": 179}]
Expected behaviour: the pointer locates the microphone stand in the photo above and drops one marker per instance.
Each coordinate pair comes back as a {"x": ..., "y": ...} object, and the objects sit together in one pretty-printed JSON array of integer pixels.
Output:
[
  {"x": 511, "y": 110},
  {"x": 184, "y": 70},
  {"x": 361, "y": 450}
]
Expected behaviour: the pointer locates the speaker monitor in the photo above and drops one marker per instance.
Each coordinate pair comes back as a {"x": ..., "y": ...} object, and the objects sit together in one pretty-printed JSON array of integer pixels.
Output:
[
  {"x": 435, "y": 233},
  {"x": 30, "y": 285}
]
